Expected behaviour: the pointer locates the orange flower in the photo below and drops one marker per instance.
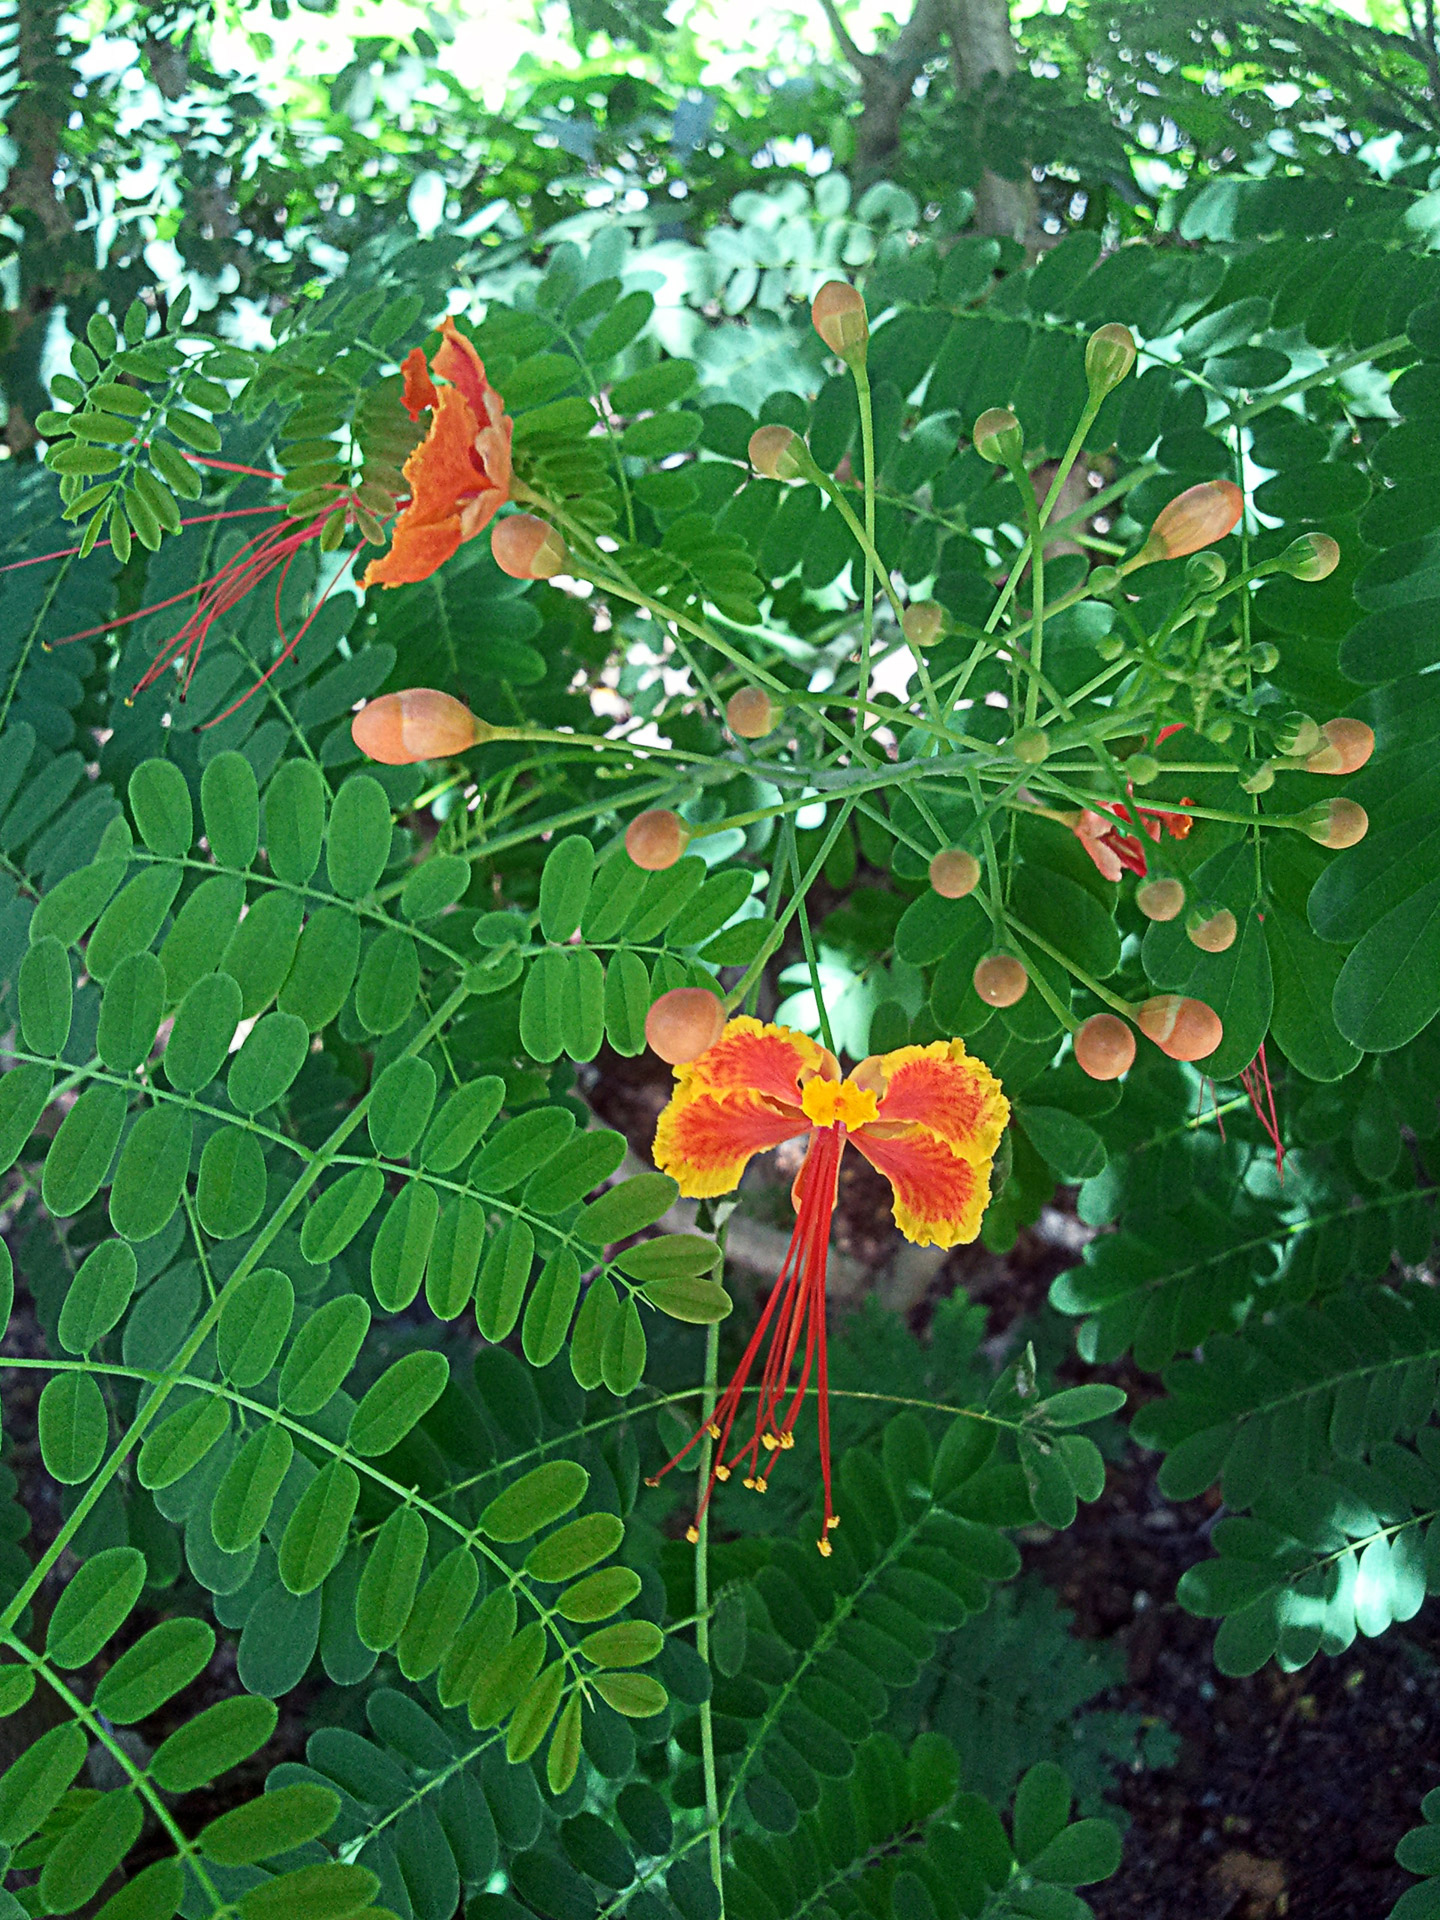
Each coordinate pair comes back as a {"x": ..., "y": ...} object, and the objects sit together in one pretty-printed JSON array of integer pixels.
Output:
[
  {"x": 929, "y": 1118},
  {"x": 1111, "y": 849},
  {"x": 459, "y": 474}
]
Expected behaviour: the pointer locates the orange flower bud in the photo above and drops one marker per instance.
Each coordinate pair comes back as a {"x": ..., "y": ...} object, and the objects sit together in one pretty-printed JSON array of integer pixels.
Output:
[
  {"x": 777, "y": 452},
  {"x": 924, "y": 622},
  {"x": 1338, "y": 823},
  {"x": 527, "y": 548},
  {"x": 1109, "y": 356},
  {"x": 419, "y": 724},
  {"x": 683, "y": 1023},
  {"x": 656, "y": 840},
  {"x": 1104, "y": 1047},
  {"x": 1212, "y": 932},
  {"x": 1184, "y": 1029},
  {"x": 1348, "y": 745},
  {"x": 1314, "y": 556},
  {"x": 838, "y": 315},
  {"x": 1001, "y": 979},
  {"x": 1160, "y": 899},
  {"x": 750, "y": 714},
  {"x": 997, "y": 436},
  {"x": 1194, "y": 519},
  {"x": 954, "y": 873}
]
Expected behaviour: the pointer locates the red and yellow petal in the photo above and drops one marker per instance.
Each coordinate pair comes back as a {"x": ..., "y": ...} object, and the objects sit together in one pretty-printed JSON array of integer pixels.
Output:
[
  {"x": 940, "y": 1197},
  {"x": 751, "y": 1058},
  {"x": 704, "y": 1141},
  {"x": 948, "y": 1092},
  {"x": 459, "y": 363}
]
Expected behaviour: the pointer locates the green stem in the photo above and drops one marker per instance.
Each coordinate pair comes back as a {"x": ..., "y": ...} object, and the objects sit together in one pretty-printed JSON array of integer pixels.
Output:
[
  {"x": 867, "y": 441},
  {"x": 702, "y": 1613}
]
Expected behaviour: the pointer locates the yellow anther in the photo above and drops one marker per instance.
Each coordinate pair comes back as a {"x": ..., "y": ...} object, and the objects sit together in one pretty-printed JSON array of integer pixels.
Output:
[
  {"x": 652, "y": 1479},
  {"x": 762, "y": 1486},
  {"x": 833, "y": 1521},
  {"x": 713, "y": 1431},
  {"x": 769, "y": 1442},
  {"x": 824, "y": 1545},
  {"x": 692, "y": 1534},
  {"x": 787, "y": 1440},
  {"x": 748, "y": 1483},
  {"x": 722, "y": 1473}
]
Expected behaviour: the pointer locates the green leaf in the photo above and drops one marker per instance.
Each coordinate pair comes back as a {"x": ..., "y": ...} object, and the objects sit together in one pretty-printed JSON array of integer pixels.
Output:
[
  {"x": 626, "y": 1209},
  {"x": 1042, "y": 1809},
  {"x": 330, "y": 1892},
  {"x": 244, "y": 1498},
  {"x": 130, "y": 1012},
  {"x": 1065, "y": 1142},
  {"x": 98, "y": 1296},
  {"x": 154, "y": 1670},
  {"x": 74, "y": 1427},
  {"x": 200, "y": 1039},
  {"x": 698, "y": 1302},
  {"x": 150, "y": 1176},
  {"x": 1075, "y": 1406},
  {"x": 1389, "y": 986},
  {"x": 1305, "y": 971},
  {"x": 93, "y": 1605},
  {"x": 357, "y": 845},
  {"x": 160, "y": 802},
  {"x": 392, "y": 1573},
  {"x": 565, "y": 887},
  {"x": 317, "y": 1531},
  {"x": 438, "y": 1614},
  {"x": 542, "y": 1005},
  {"x": 154, "y": 1893},
  {"x": 24, "y": 1096},
  {"x": 389, "y": 982},
  {"x": 1082, "y": 1854},
  {"x": 503, "y": 1684},
  {"x": 319, "y": 981},
  {"x": 636, "y": 1695},
  {"x": 46, "y": 996},
  {"x": 230, "y": 807},
  {"x": 630, "y": 1643},
  {"x": 340, "y": 1212},
  {"x": 454, "y": 1257},
  {"x": 551, "y": 1308},
  {"x": 182, "y": 1440},
  {"x": 628, "y": 994},
  {"x": 503, "y": 1279},
  {"x": 403, "y": 1395},
  {"x": 479, "y": 1642},
  {"x": 574, "y": 1547},
  {"x": 579, "y": 1167},
  {"x": 265, "y": 1067},
  {"x": 625, "y": 320},
  {"x": 437, "y": 883},
  {"x": 323, "y": 1353},
  {"x": 402, "y": 1246},
  {"x": 132, "y": 920},
  {"x": 295, "y": 821},
  {"x": 33, "y": 1785},
  {"x": 88, "y": 1852},
  {"x": 262, "y": 948},
  {"x": 213, "y": 1742},
  {"x": 254, "y": 1322},
  {"x": 536, "y": 1500},
  {"x": 592, "y": 1326},
  {"x": 273, "y": 1822},
  {"x": 456, "y": 1129},
  {"x": 670, "y": 1256},
  {"x": 622, "y": 1358},
  {"x": 69, "y": 907},
  {"x": 202, "y": 931},
  {"x": 532, "y": 1718},
  {"x": 521, "y": 1147},
  {"x": 598, "y": 1597},
  {"x": 400, "y": 1103},
  {"x": 17, "y": 1685},
  {"x": 230, "y": 1188},
  {"x": 562, "y": 1762}
]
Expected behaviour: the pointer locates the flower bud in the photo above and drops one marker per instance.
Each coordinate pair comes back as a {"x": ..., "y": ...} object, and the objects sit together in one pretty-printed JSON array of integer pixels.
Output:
[
  {"x": 750, "y": 714},
  {"x": 1031, "y": 746},
  {"x": 1261, "y": 780},
  {"x": 656, "y": 840},
  {"x": 419, "y": 724},
  {"x": 683, "y": 1023},
  {"x": 1109, "y": 356},
  {"x": 1102, "y": 580},
  {"x": 1211, "y": 932},
  {"x": 778, "y": 452},
  {"x": 1111, "y": 647},
  {"x": 1297, "y": 733},
  {"x": 1104, "y": 1047},
  {"x": 527, "y": 548},
  {"x": 997, "y": 436},
  {"x": 838, "y": 315},
  {"x": 954, "y": 873},
  {"x": 1206, "y": 572},
  {"x": 1193, "y": 520},
  {"x": 1160, "y": 899},
  {"x": 924, "y": 623},
  {"x": 1265, "y": 657},
  {"x": 1001, "y": 979},
  {"x": 1219, "y": 729},
  {"x": 1314, "y": 556},
  {"x": 1348, "y": 744},
  {"x": 1141, "y": 769},
  {"x": 1182, "y": 1028},
  {"x": 1337, "y": 823}
]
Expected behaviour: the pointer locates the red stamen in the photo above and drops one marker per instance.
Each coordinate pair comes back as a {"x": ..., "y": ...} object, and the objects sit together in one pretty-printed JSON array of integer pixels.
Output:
[
  {"x": 1255, "y": 1083},
  {"x": 796, "y": 1305}
]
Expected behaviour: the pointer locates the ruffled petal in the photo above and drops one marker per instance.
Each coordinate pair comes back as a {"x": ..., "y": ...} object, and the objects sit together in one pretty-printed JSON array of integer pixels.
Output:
[
  {"x": 704, "y": 1140},
  {"x": 940, "y": 1196},
  {"x": 948, "y": 1092},
  {"x": 415, "y": 553},
  {"x": 442, "y": 473},
  {"x": 419, "y": 387},
  {"x": 750, "y": 1057},
  {"x": 459, "y": 363}
]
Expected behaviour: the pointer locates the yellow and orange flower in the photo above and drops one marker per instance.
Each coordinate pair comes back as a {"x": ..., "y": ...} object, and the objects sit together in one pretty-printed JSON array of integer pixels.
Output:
[
  {"x": 929, "y": 1118},
  {"x": 460, "y": 473}
]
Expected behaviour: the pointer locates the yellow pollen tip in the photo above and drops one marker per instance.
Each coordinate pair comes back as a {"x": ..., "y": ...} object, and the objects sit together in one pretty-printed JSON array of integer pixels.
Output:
[
  {"x": 830, "y": 1103},
  {"x": 692, "y": 1534},
  {"x": 748, "y": 1483},
  {"x": 713, "y": 1431},
  {"x": 769, "y": 1442},
  {"x": 824, "y": 1545},
  {"x": 787, "y": 1440},
  {"x": 762, "y": 1486},
  {"x": 652, "y": 1479},
  {"x": 722, "y": 1473},
  {"x": 833, "y": 1521}
]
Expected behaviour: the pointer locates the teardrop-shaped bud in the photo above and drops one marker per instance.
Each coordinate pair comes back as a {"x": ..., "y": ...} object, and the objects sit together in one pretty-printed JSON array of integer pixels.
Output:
[
  {"x": 776, "y": 452},
  {"x": 527, "y": 548},
  {"x": 1141, "y": 769},
  {"x": 1031, "y": 746},
  {"x": 1001, "y": 979},
  {"x": 1314, "y": 556},
  {"x": 1337, "y": 823},
  {"x": 750, "y": 713},
  {"x": 1194, "y": 519},
  {"x": 954, "y": 873},
  {"x": 1206, "y": 572},
  {"x": 1263, "y": 657},
  {"x": 419, "y": 724},
  {"x": 656, "y": 840},
  {"x": 1183, "y": 1028},
  {"x": 1297, "y": 733},
  {"x": 1109, "y": 356},
  {"x": 1260, "y": 779},
  {"x": 683, "y": 1023},
  {"x": 1104, "y": 1047},
  {"x": 1348, "y": 745},
  {"x": 997, "y": 436},
  {"x": 1160, "y": 899},
  {"x": 924, "y": 623},
  {"x": 1211, "y": 932},
  {"x": 838, "y": 315}
]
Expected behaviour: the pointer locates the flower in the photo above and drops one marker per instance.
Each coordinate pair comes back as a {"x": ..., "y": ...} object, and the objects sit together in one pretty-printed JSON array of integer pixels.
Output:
[
  {"x": 459, "y": 474},
  {"x": 929, "y": 1118},
  {"x": 1112, "y": 850}
]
